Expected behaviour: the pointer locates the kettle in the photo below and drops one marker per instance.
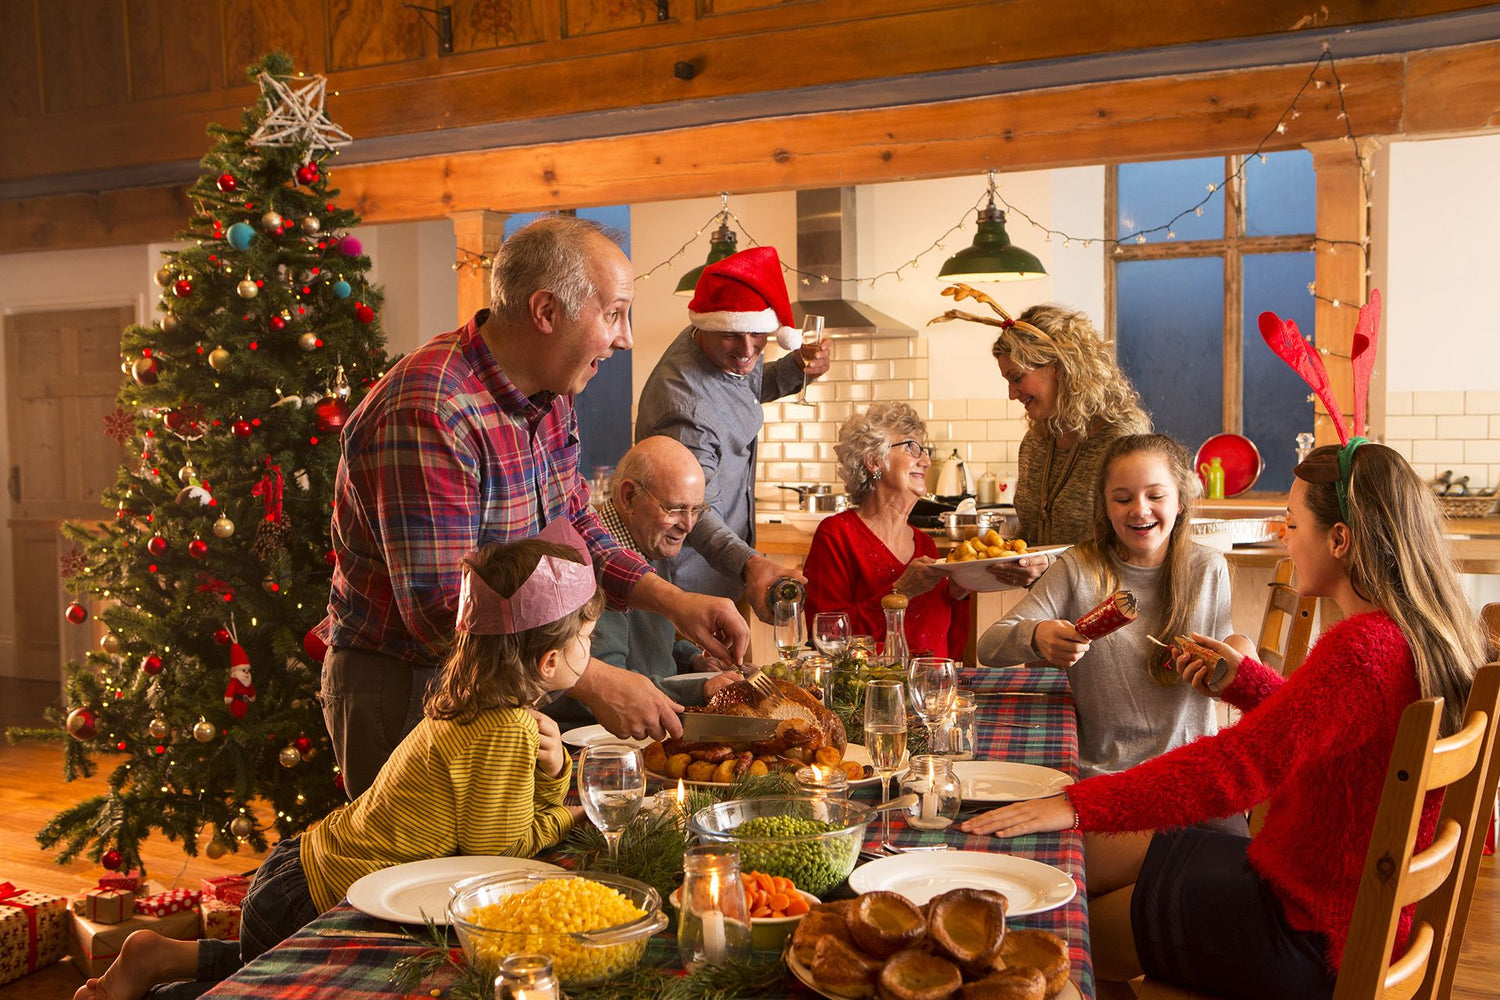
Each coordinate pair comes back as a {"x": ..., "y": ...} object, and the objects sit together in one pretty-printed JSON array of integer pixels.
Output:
[{"x": 953, "y": 478}]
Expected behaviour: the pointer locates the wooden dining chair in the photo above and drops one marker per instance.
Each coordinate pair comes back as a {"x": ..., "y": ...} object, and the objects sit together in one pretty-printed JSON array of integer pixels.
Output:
[
  {"x": 1490, "y": 616},
  {"x": 1286, "y": 627},
  {"x": 1439, "y": 879}
]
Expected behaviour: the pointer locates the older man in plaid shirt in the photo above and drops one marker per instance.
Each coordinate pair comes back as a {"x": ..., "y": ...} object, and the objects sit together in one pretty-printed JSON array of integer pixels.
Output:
[{"x": 472, "y": 438}]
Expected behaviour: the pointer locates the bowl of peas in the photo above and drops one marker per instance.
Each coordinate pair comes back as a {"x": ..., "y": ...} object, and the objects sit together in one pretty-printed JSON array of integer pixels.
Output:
[{"x": 812, "y": 840}]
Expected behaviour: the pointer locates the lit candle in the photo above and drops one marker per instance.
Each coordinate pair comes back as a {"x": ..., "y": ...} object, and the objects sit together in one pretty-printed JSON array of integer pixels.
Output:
[
  {"x": 713, "y": 936},
  {"x": 929, "y": 806}
]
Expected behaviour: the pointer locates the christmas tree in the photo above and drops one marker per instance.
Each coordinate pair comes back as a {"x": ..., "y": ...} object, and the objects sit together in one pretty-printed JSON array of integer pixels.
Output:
[{"x": 216, "y": 561}]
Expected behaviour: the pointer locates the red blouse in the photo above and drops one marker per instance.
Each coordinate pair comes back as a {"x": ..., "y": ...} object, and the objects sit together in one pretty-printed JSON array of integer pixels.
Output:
[{"x": 849, "y": 569}]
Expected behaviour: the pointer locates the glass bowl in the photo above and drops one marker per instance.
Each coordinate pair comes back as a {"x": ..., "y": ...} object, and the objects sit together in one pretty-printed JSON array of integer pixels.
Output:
[
  {"x": 579, "y": 957},
  {"x": 815, "y": 862}
]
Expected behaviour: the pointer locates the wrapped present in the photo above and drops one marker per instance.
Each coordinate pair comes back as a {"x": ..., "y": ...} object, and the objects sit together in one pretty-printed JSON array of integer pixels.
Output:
[
  {"x": 106, "y": 906},
  {"x": 228, "y": 888},
  {"x": 33, "y": 931},
  {"x": 220, "y": 920},
  {"x": 132, "y": 881},
  {"x": 172, "y": 901},
  {"x": 94, "y": 945}
]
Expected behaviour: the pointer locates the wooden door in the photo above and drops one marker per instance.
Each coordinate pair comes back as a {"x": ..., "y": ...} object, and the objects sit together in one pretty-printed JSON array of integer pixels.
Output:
[{"x": 62, "y": 375}]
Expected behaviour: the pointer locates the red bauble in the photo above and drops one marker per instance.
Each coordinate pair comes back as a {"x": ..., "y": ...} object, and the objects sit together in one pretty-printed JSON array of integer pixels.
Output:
[
  {"x": 338, "y": 782},
  {"x": 314, "y": 647},
  {"x": 157, "y": 546},
  {"x": 331, "y": 557},
  {"x": 182, "y": 288},
  {"x": 77, "y": 613},
  {"x": 364, "y": 313},
  {"x": 227, "y": 183},
  {"x": 197, "y": 548},
  {"x": 277, "y": 323},
  {"x": 307, "y": 174},
  {"x": 241, "y": 428},
  {"x": 81, "y": 724},
  {"x": 222, "y": 636},
  {"x": 145, "y": 371},
  {"x": 151, "y": 664},
  {"x": 330, "y": 414},
  {"x": 302, "y": 743},
  {"x": 111, "y": 859}
]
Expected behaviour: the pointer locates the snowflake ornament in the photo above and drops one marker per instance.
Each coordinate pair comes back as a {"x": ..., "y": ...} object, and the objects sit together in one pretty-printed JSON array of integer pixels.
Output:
[
  {"x": 295, "y": 115},
  {"x": 118, "y": 426}
]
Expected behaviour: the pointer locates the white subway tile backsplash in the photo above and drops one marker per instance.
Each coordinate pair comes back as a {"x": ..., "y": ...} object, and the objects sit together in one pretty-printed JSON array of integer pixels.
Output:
[
  {"x": 918, "y": 389},
  {"x": 855, "y": 350},
  {"x": 968, "y": 430},
  {"x": 867, "y": 371},
  {"x": 856, "y": 392},
  {"x": 1449, "y": 427},
  {"x": 891, "y": 390},
  {"x": 1494, "y": 425},
  {"x": 819, "y": 472},
  {"x": 1482, "y": 402},
  {"x": 1437, "y": 402},
  {"x": 839, "y": 371},
  {"x": 819, "y": 431},
  {"x": 1439, "y": 452},
  {"x": 1412, "y": 428},
  {"x": 1426, "y": 470},
  {"x": 988, "y": 451},
  {"x": 1483, "y": 451},
  {"x": 908, "y": 368},
  {"x": 1401, "y": 446},
  {"x": 800, "y": 451},
  {"x": 1398, "y": 404},
  {"x": 902, "y": 347},
  {"x": 986, "y": 409},
  {"x": 1005, "y": 430},
  {"x": 780, "y": 430},
  {"x": 949, "y": 409},
  {"x": 782, "y": 472}
]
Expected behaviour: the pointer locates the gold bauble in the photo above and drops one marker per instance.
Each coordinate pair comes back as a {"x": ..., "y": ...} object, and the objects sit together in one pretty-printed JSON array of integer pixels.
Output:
[
  {"x": 247, "y": 289},
  {"x": 218, "y": 359},
  {"x": 223, "y": 527},
  {"x": 110, "y": 643},
  {"x": 308, "y": 341},
  {"x": 242, "y": 826},
  {"x": 289, "y": 756},
  {"x": 215, "y": 849},
  {"x": 169, "y": 323},
  {"x": 164, "y": 277},
  {"x": 310, "y": 224},
  {"x": 158, "y": 729},
  {"x": 186, "y": 473},
  {"x": 203, "y": 731},
  {"x": 271, "y": 220}
]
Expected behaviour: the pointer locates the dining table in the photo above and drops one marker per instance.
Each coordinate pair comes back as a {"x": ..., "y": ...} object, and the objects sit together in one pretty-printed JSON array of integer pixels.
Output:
[{"x": 1023, "y": 715}]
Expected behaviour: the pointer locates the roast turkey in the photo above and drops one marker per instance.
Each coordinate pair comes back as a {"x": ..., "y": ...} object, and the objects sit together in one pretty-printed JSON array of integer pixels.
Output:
[{"x": 808, "y": 723}]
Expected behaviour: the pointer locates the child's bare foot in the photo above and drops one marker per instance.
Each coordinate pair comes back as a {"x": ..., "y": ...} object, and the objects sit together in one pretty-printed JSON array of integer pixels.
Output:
[{"x": 146, "y": 959}]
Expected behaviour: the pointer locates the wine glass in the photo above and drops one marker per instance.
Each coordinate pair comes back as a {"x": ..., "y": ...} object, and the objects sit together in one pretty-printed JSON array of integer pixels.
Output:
[
  {"x": 812, "y": 332},
  {"x": 885, "y": 738},
  {"x": 831, "y": 634},
  {"x": 612, "y": 784},
  {"x": 933, "y": 681},
  {"x": 790, "y": 631}
]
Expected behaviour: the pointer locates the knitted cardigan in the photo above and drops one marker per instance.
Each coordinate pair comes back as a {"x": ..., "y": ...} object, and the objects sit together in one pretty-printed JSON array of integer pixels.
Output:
[{"x": 1317, "y": 744}]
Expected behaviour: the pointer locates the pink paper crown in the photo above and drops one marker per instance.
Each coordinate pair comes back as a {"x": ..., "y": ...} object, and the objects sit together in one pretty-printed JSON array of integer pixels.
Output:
[{"x": 557, "y": 587}]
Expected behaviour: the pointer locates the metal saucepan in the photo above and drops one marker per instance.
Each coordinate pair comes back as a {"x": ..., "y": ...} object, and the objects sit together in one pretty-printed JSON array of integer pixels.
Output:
[
  {"x": 818, "y": 497},
  {"x": 961, "y": 526}
]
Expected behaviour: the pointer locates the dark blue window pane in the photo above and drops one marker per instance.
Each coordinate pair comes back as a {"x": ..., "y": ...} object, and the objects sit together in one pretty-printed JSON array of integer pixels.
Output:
[
  {"x": 1169, "y": 322},
  {"x": 1152, "y": 194},
  {"x": 603, "y": 407},
  {"x": 1276, "y": 406},
  {"x": 1280, "y": 194}
]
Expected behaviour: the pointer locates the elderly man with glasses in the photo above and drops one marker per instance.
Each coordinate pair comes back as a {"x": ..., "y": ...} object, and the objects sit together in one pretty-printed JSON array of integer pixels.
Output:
[{"x": 656, "y": 497}]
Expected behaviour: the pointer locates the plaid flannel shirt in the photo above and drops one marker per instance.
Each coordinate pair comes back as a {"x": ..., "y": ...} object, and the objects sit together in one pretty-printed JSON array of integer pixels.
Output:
[{"x": 444, "y": 455}]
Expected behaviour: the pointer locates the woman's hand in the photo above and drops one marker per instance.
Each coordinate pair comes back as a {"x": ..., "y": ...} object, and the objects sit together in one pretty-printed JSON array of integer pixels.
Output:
[
  {"x": 1059, "y": 642},
  {"x": 918, "y": 578},
  {"x": 1034, "y": 816},
  {"x": 1197, "y": 673},
  {"x": 1021, "y": 573},
  {"x": 550, "y": 755}
]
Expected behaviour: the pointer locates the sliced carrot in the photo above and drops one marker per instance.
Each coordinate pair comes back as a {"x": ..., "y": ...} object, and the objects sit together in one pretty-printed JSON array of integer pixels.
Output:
[
  {"x": 764, "y": 882},
  {"x": 761, "y": 911},
  {"x": 779, "y": 901},
  {"x": 796, "y": 906},
  {"x": 784, "y": 884}
]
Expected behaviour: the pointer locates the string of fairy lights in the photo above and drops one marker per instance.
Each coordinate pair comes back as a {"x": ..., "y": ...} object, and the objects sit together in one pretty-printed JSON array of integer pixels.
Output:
[{"x": 472, "y": 261}]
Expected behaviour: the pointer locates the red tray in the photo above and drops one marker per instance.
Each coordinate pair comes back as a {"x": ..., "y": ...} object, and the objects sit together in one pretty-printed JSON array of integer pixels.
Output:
[{"x": 1240, "y": 458}]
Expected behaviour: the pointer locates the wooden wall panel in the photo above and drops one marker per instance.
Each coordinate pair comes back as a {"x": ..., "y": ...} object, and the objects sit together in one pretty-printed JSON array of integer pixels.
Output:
[
  {"x": 479, "y": 25},
  {"x": 253, "y": 29},
  {"x": 707, "y": 8},
  {"x": 377, "y": 32},
  {"x": 175, "y": 47},
  {"x": 20, "y": 83},
  {"x": 594, "y": 17},
  {"x": 1454, "y": 88},
  {"x": 82, "y": 60}
]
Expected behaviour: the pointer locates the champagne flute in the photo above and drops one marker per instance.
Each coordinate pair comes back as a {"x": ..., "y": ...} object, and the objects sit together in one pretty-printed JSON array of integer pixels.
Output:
[
  {"x": 831, "y": 634},
  {"x": 812, "y": 332},
  {"x": 612, "y": 785},
  {"x": 790, "y": 630},
  {"x": 934, "y": 686},
  {"x": 885, "y": 738}
]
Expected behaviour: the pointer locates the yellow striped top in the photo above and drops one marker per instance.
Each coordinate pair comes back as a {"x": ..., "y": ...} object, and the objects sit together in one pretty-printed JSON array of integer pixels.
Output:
[{"x": 448, "y": 789}]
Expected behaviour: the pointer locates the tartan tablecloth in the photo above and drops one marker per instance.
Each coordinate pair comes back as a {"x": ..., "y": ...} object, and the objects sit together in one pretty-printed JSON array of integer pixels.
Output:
[{"x": 339, "y": 954}]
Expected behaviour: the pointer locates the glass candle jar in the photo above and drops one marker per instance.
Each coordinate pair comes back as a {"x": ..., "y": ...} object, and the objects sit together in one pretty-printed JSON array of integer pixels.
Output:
[
  {"x": 932, "y": 780},
  {"x": 958, "y": 732},
  {"x": 526, "y": 977},
  {"x": 814, "y": 673},
  {"x": 828, "y": 782},
  {"x": 713, "y": 924}
]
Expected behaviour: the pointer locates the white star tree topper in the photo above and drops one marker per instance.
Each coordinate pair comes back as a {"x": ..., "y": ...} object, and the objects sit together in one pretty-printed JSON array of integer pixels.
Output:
[{"x": 295, "y": 115}]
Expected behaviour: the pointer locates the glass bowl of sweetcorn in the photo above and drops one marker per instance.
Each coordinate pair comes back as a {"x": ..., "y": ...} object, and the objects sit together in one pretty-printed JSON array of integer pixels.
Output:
[{"x": 593, "y": 925}]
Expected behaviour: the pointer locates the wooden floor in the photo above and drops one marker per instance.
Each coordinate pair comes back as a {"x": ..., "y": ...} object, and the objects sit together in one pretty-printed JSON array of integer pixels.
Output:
[{"x": 31, "y": 792}]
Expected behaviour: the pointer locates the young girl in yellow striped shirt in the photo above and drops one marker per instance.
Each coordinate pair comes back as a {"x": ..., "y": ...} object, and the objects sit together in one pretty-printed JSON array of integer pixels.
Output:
[{"x": 483, "y": 773}]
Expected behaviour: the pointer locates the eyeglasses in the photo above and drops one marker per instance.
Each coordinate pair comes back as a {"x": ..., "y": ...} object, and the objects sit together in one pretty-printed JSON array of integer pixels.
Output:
[
  {"x": 914, "y": 448},
  {"x": 692, "y": 513}
]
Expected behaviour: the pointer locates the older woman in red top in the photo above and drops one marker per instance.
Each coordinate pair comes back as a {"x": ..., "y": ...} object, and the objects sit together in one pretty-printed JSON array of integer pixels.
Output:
[{"x": 860, "y": 555}]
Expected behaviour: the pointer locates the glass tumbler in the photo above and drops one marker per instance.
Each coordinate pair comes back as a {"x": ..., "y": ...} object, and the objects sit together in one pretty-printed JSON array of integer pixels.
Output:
[{"x": 713, "y": 923}]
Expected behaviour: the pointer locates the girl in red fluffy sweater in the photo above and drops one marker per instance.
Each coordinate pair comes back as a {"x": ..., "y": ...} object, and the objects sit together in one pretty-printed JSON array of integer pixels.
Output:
[{"x": 1269, "y": 916}]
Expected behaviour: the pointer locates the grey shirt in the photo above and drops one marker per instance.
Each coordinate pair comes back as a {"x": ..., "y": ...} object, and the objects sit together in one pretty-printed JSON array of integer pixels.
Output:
[
  {"x": 1124, "y": 716},
  {"x": 717, "y": 416}
]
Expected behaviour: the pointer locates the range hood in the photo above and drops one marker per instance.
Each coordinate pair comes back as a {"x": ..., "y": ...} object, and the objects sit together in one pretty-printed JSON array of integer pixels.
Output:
[{"x": 826, "y": 244}]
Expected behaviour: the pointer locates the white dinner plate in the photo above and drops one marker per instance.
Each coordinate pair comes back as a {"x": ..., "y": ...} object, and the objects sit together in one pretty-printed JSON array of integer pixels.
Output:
[
  {"x": 1029, "y": 886},
  {"x": 1005, "y": 781},
  {"x": 852, "y": 751},
  {"x": 974, "y": 574},
  {"x": 413, "y": 892},
  {"x": 804, "y": 975},
  {"x": 587, "y": 736}
]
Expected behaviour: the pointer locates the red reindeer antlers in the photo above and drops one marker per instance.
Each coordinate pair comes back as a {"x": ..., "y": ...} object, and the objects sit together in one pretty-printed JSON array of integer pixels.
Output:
[{"x": 1283, "y": 337}]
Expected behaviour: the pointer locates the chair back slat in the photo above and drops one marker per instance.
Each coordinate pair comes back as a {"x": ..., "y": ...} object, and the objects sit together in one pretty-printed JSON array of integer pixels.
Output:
[
  {"x": 1428, "y": 868},
  {"x": 1281, "y": 646},
  {"x": 1404, "y": 978},
  {"x": 1455, "y": 756}
]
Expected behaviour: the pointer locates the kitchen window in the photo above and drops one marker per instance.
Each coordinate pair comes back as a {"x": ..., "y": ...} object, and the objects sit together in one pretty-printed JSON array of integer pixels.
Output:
[{"x": 1184, "y": 300}]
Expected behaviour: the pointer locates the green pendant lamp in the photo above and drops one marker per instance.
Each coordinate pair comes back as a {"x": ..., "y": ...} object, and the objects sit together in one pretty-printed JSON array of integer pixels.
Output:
[
  {"x": 992, "y": 256},
  {"x": 721, "y": 244}
]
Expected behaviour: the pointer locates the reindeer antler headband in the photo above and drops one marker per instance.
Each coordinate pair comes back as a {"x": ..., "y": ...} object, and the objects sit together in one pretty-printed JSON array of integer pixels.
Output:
[
  {"x": 960, "y": 292},
  {"x": 1283, "y": 337}
]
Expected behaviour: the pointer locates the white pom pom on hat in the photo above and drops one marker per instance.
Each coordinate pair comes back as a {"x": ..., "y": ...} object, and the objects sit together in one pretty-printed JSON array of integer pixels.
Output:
[
  {"x": 789, "y": 337},
  {"x": 745, "y": 293}
]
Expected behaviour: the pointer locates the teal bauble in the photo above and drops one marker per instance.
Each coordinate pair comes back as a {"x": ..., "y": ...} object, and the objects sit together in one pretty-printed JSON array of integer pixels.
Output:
[
  {"x": 341, "y": 289},
  {"x": 239, "y": 235}
]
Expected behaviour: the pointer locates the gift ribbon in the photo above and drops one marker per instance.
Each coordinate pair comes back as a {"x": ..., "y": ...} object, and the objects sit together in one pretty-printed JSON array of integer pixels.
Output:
[{"x": 7, "y": 890}]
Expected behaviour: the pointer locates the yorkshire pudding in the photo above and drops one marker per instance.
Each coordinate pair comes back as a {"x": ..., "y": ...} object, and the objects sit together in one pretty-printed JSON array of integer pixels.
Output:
[
  {"x": 1041, "y": 950},
  {"x": 1020, "y": 983},
  {"x": 967, "y": 925},
  {"x": 840, "y": 969},
  {"x": 917, "y": 975},
  {"x": 884, "y": 923},
  {"x": 820, "y": 922}
]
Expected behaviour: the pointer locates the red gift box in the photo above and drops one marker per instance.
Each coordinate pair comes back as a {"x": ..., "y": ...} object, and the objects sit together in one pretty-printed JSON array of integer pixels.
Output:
[
  {"x": 33, "y": 931},
  {"x": 172, "y": 901},
  {"x": 228, "y": 888},
  {"x": 131, "y": 881},
  {"x": 220, "y": 920}
]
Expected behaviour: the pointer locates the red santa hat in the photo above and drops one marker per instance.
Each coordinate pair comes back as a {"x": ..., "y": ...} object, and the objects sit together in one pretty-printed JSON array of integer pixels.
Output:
[
  {"x": 237, "y": 657},
  {"x": 743, "y": 293}
]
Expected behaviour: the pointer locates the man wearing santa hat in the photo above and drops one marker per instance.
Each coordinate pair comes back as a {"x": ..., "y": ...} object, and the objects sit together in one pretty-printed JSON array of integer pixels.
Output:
[{"x": 707, "y": 391}]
